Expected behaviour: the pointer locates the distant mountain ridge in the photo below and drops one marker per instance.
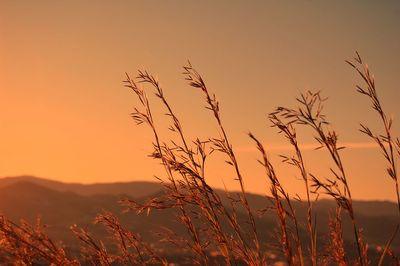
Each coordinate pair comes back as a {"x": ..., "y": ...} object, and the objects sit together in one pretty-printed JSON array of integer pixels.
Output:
[
  {"x": 61, "y": 204},
  {"x": 135, "y": 189},
  {"x": 142, "y": 189}
]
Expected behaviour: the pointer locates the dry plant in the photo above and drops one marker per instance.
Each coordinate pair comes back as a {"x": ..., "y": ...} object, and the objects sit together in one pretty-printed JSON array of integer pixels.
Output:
[
  {"x": 279, "y": 194},
  {"x": 188, "y": 188},
  {"x": 335, "y": 247},
  {"x": 310, "y": 113},
  {"x": 298, "y": 162},
  {"x": 27, "y": 244},
  {"x": 132, "y": 250},
  {"x": 216, "y": 231},
  {"x": 388, "y": 144}
]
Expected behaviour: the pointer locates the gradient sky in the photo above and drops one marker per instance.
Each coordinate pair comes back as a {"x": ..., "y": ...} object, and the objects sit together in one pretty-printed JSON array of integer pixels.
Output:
[{"x": 64, "y": 113}]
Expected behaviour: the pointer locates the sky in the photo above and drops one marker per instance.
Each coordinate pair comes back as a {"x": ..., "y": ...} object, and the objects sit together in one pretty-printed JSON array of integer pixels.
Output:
[{"x": 65, "y": 115}]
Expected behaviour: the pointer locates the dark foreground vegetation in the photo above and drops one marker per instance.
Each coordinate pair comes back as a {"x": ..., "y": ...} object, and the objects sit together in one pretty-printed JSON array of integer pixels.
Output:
[{"x": 188, "y": 222}]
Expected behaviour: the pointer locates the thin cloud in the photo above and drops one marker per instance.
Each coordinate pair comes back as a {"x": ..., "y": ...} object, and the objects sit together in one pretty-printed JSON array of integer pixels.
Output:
[{"x": 309, "y": 146}]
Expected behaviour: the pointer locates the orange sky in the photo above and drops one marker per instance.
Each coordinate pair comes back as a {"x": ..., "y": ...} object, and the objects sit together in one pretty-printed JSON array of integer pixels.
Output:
[{"x": 64, "y": 113}]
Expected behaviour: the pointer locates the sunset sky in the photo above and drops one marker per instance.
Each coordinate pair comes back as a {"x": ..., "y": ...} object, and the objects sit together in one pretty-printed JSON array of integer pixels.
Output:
[{"x": 65, "y": 115}]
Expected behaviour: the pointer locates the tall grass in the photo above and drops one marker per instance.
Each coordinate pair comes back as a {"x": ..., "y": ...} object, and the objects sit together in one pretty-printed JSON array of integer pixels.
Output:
[{"x": 212, "y": 225}]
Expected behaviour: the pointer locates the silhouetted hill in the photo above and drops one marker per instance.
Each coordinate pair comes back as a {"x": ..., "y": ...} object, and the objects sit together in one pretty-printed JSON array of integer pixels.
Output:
[
  {"x": 60, "y": 205},
  {"x": 135, "y": 189},
  {"x": 61, "y": 208}
]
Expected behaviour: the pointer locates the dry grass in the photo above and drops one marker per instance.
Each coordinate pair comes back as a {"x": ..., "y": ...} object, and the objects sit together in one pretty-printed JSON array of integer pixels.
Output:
[
  {"x": 27, "y": 244},
  {"x": 212, "y": 226}
]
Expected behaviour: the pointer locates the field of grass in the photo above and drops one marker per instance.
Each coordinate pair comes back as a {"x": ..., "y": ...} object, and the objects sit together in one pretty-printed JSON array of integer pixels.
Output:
[{"x": 225, "y": 228}]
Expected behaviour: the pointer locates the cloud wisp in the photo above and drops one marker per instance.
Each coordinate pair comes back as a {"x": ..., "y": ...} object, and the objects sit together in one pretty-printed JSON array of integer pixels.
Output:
[{"x": 309, "y": 146}]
